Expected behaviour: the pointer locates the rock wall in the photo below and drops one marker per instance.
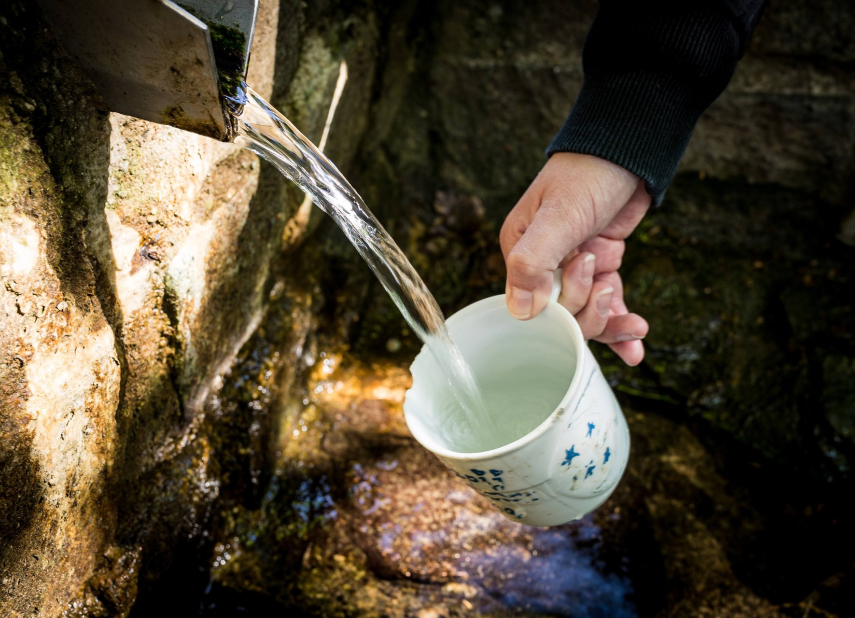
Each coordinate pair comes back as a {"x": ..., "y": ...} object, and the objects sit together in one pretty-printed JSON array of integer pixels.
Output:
[
  {"x": 134, "y": 264},
  {"x": 164, "y": 295}
]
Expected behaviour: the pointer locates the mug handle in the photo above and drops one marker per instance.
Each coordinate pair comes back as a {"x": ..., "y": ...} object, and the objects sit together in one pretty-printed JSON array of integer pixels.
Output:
[{"x": 556, "y": 285}]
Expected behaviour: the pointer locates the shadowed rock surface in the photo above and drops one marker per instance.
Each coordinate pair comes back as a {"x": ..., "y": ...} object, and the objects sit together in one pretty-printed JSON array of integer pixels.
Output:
[{"x": 200, "y": 381}]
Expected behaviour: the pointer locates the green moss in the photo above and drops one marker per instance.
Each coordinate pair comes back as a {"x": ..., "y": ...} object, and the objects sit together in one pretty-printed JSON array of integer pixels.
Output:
[{"x": 230, "y": 52}]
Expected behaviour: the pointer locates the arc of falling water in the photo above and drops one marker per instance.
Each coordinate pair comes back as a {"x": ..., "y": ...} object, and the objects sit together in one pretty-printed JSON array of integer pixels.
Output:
[{"x": 262, "y": 129}]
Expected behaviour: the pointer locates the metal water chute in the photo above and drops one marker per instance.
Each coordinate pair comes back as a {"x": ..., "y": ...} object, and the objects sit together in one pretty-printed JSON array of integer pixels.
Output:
[{"x": 170, "y": 62}]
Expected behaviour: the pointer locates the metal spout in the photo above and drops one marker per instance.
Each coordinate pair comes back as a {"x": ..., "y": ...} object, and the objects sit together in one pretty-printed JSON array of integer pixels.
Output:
[{"x": 168, "y": 62}]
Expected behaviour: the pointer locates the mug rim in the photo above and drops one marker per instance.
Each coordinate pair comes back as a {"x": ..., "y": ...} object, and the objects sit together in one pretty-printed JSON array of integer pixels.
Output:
[{"x": 578, "y": 341}]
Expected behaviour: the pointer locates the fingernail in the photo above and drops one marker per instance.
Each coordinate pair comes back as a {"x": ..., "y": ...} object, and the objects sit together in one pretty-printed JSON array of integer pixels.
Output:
[
  {"x": 588, "y": 269},
  {"x": 604, "y": 301},
  {"x": 628, "y": 338},
  {"x": 520, "y": 303}
]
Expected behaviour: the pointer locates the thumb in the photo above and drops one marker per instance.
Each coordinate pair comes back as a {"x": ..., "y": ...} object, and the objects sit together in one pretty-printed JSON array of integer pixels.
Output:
[{"x": 557, "y": 228}]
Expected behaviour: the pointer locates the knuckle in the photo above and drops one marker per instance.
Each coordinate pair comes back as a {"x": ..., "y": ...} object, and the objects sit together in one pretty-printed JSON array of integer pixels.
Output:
[
  {"x": 574, "y": 306},
  {"x": 574, "y": 300},
  {"x": 617, "y": 258},
  {"x": 505, "y": 239},
  {"x": 527, "y": 273},
  {"x": 520, "y": 263},
  {"x": 591, "y": 330},
  {"x": 512, "y": 230}
]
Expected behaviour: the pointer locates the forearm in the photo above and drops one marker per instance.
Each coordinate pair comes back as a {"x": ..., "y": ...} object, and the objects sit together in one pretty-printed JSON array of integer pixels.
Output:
[{"x": 651, "y": 69}]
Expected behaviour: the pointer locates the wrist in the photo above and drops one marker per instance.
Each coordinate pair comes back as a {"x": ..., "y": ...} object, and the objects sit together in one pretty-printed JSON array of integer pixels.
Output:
[
  {"x": 638, "y": 109},
  {"x": 598, "y": 181}
]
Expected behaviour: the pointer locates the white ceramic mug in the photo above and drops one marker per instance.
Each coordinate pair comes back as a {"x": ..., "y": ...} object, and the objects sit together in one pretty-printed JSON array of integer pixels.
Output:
[{"x": 572, "y": 461}]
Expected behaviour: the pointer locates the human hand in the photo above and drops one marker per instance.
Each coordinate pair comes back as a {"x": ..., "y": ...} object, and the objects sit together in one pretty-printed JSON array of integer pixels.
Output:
[{"x": 576, "y": 215}]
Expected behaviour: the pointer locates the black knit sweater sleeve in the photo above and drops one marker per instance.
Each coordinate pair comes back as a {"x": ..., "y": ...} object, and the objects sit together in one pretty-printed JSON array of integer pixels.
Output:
[{"x": 651, "y": 69}]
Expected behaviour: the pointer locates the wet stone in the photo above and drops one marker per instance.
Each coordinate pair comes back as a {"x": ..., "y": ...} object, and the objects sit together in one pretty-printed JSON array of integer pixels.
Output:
[{"x": 387, "y": 531}]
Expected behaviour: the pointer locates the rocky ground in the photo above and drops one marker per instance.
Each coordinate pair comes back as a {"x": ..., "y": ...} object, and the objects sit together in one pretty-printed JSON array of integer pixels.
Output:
[{"x": 359, "y": 519}]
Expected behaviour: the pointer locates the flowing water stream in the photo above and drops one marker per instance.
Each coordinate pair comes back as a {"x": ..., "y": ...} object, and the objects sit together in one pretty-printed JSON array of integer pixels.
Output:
[{"x": 262, "y": 129}]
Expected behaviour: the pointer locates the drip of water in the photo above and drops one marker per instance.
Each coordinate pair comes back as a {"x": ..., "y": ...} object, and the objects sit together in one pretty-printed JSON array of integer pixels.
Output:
[{"x": 262, "y": 129}]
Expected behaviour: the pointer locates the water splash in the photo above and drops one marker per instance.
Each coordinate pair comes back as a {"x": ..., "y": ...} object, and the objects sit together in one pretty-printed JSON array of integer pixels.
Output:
[{"x": 261, "y": 128}]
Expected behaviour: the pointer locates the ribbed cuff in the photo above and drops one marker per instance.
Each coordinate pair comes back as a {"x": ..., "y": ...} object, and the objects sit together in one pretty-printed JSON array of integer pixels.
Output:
[{"x": 648, "y": 78}]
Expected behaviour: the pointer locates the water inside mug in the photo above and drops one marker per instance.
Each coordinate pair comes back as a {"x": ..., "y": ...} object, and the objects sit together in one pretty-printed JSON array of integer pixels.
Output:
[
  {"x": 518, "y": 401},
  {"x": 524, "y": 369}
]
